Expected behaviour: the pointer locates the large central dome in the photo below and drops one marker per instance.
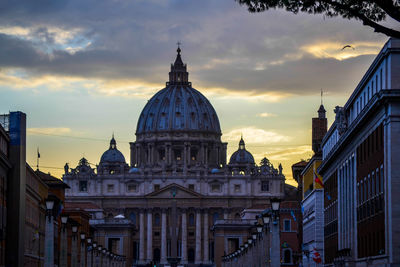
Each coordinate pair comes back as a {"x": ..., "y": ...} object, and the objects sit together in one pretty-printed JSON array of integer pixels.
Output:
[{"x": 178, "y": 107}]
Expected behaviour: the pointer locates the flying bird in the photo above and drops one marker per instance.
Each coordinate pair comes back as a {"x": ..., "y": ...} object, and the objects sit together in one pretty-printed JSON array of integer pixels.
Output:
[{"x": 347, "y": 46}]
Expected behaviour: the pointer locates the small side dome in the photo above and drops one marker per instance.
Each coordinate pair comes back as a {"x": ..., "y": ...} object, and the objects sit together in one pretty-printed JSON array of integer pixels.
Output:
[
  {"x": 134, "y": 170},
  {"x": 241, "y": 156},
  {"x": 215, "y": 170},
  {"x": 112, "y": 155},
  {"x": 119, "y": 216}
]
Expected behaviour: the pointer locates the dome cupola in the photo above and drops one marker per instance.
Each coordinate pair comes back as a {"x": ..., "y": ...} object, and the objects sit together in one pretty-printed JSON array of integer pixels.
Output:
[
  {"x": 112, "y": 161},
  {"x": 178, "y": 107},
  {"x": 241, "y": 156},
  {"x": 178, "y": 129},
  {"x": 112, "y": 154}
]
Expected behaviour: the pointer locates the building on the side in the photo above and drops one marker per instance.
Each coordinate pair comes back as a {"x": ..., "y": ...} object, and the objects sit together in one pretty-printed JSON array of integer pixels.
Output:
[
  {"x": 5, "y": 166},
  {"x": 178, "y": 155},
  {"x": 361, "y": 169},
  {"x": 313, "y": 195},
  {"x": 36, "y": 194},
  {"x": 230, "y": 234}
]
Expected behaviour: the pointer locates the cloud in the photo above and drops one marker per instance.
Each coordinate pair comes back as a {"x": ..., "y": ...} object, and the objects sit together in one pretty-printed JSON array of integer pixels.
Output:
[
  {"x": 265, "y": 115},
  {"x": 335, "y": 49},
  {"x": 258, "y": 56},
  {"x": 49, "y": 131},
  {"x": 253, "y": 135}
]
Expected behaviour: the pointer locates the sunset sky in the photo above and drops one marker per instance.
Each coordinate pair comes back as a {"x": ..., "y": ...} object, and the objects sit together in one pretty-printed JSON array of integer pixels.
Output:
[{"x": 82, "y": 70}]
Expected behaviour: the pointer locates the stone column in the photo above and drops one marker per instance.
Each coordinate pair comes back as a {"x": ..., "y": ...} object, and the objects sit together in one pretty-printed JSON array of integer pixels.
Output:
[
  {"x": 163, "y": 237},
  {"x": 63, "y": 246},
  {"x": 83, "y": 254},
  {"x": 205, "y": 248},
  {"x": 149, "y": 254},
  {"x": 49, "y": 240},
  {"x": 184, "y": 238},
  {"x": 275, "y": 245},
  {"x": 198, "y": 237},
  {"x": 185, "y": 146},
  {"x": 74, "y": 250},
  {"x": 141, "y": 237}
]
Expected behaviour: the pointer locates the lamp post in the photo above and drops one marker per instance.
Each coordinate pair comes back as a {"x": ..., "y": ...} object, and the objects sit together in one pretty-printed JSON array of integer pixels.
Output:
[
  {"x": 83, "y": 250},
  {"x": 89, "y": 253},
  {"x": 63, "y": 241},
  {"x": 94, "y": 255},
  {"x": 104, "y": 257},
  {"x": 49, "y": 235},
  {"x": 275, "y": 239},
  {"x": 74, "y": 246},
  {"x": 100, "y": 255}
]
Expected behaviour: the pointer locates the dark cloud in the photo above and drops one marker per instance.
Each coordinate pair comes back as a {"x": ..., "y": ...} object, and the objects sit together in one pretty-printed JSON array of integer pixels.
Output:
[{"x": 222, "y": 43}]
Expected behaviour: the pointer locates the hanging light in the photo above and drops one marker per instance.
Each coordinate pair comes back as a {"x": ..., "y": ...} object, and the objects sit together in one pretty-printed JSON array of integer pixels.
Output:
[
  {"x": 64, "y": 218},
  {"x": 275, "y": 202},
  {"x": 266, "y": 219},
  {"x": 49, "y": 204},
  {"x": 259, "y": 228}
]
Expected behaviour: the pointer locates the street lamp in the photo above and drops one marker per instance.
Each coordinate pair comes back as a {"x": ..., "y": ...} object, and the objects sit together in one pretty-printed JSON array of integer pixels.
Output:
[
  {"x": 74, "y": 229},
  {"x": 275, "y": 202},
  {"x": 64, "y": 219},
  {"x": 49, "y": 207}
]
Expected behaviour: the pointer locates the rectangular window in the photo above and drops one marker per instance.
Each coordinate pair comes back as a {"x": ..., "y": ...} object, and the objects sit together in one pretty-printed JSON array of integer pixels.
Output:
[
  {"x": 215, "y": 188},
  {"x": 237, "y": 188},
  {"x": 265, "y": 186},
  {"x": 83, "y": 186},
  {"x": 132, "y": 188},
  {"x": 287, "y": 225},
  {"x": 110, "y": 188},
  {"x": 191, "y": 187},
  {"x": 156, "y": 187}
]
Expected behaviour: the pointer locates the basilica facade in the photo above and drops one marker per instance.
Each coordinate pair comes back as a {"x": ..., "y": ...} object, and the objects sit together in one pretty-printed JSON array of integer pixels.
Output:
[{"x": 178, "y": 157}]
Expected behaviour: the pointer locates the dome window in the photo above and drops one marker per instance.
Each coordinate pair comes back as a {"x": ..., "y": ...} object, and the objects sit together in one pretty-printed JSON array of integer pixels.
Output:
[
  {"x": 161, "y": 154},
  {"x": 193, "y": 154},
  {"x": 178, "y": 154}
]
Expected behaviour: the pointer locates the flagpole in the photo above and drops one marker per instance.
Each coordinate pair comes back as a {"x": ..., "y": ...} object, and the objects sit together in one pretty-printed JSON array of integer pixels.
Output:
[{"x": 37, "y": 161}]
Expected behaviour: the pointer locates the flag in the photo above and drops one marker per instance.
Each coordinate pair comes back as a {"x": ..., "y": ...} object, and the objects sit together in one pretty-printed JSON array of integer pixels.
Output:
[
  {"x": 38, "y": 154},
  {"x": 316, "y": 256},
  {"x": 292, "y": 213},
  {"x": 317, "y": 180}
]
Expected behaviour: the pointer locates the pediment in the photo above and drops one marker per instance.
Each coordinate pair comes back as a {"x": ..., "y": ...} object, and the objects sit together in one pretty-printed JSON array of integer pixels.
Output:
[{"x": 180, "y": 192}]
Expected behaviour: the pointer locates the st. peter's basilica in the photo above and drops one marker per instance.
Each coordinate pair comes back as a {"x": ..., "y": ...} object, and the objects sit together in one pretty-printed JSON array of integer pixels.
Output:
[{"x": 178, "y": 159}]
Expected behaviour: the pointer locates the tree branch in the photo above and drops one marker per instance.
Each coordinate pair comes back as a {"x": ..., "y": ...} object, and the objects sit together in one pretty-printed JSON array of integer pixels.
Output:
[
  {"x": 366, "y": 21},
  {"x": 390, "y": 9}
]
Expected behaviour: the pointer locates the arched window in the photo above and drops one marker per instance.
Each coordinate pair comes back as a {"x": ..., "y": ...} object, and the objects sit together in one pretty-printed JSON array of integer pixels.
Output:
[
  {"x": 132, "y": 217},
  {"x": 157, "y": 219},
  {"x": 287, "y": 255},
  {"x": 215, "y": 216},
  {"x": 191, "y": 219}
]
